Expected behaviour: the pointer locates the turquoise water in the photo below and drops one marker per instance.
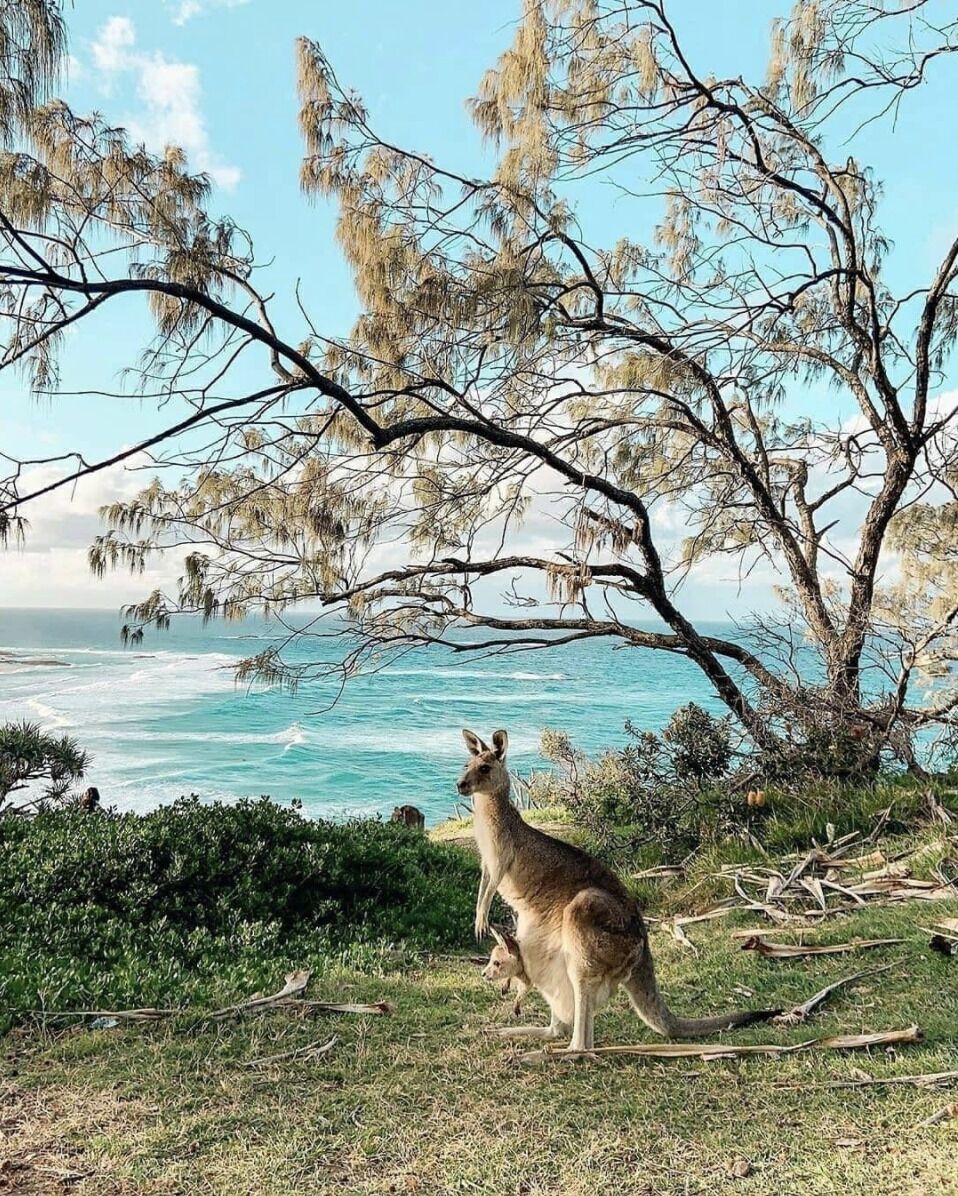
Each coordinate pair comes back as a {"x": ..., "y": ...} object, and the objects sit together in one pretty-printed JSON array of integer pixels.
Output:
[{"x": 166, "y": 718}]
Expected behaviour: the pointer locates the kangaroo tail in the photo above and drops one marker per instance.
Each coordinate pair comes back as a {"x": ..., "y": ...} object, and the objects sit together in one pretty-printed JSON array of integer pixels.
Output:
[{"x": 647, "y": 1001}]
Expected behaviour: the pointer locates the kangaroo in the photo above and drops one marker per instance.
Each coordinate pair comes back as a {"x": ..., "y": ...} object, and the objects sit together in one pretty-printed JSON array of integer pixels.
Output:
[
  {"x": 580, "y": 930},
  {"x": 409, "y": 816},
  {"x": 505, "y": 965}
]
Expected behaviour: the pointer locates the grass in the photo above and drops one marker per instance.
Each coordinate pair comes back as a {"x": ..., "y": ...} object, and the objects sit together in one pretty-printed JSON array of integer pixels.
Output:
[{"x": 425, "y": 1102}]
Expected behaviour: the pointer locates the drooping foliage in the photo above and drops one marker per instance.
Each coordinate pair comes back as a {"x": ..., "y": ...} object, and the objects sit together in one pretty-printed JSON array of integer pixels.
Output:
[{"x": 543, "y": 385}]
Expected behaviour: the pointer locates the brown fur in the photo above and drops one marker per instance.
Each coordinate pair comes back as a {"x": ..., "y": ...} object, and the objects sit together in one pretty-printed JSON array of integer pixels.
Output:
[
  {"x": 580, "y": 931},
  {"x": 409, "y": 816}
]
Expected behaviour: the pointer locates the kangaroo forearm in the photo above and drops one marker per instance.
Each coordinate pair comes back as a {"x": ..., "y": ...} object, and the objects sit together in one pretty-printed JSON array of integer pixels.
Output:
[{"x": 484, "y": 904}]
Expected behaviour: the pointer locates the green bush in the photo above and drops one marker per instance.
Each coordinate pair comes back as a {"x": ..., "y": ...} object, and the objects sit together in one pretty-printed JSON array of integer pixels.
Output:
[
  {"x": 676, "y": 792},
  {"x": 661, "y": 790},
  {"x": 700, "y": 744},
  {"x": 195, "y": 899}
]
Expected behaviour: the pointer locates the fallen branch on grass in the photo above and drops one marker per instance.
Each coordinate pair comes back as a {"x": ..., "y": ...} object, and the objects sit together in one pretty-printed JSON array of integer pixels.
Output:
[
  {"x": 294, "y": 987},
  {"x": 825, "y": 873},
  {"x": 311, "y": 1051},
  {"x": 932, "y": 1079},
  {"x": 796, "y": 950},
  {"x": 675, "y": 928},
  {"x": 943, "y": 1114},
  {"x": 380, "y": 1008},
  {"x": 288, "y": 997},
  {"x": 723, "y": 1050},
  {"x": 800, "y": 1013},
  {"x": 748, "y": 932},
  {"x": 660, "y": 872}
]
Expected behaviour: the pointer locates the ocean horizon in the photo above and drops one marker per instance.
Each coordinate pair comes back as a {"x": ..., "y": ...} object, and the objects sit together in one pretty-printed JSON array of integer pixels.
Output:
[{"x": 166, "y": 717}]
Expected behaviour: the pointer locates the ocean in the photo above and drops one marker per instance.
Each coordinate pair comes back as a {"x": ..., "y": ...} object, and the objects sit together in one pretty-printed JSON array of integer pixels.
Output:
[{"x": 166, "y": 717}]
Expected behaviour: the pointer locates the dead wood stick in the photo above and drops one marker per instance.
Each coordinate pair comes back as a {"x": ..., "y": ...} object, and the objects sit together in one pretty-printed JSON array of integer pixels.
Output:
[
  {"x": 748, "y": 932},
  {"x": 722, "y": 1050},
  {"x": 800, "y": 1013},
  {"x": 288, "y": 997},
  {"x": 943, "y": 1114},
  {"x": 797, "y": 951},
  {"x": 675, "y": 928},
  {"x": 926, "y": 1080},
  {"x": 295, "y": 986},
  {"x": 380, "y": 1008},
  {"x": 131, "y": 1015},
  {"x": 311, "y": 1051}
]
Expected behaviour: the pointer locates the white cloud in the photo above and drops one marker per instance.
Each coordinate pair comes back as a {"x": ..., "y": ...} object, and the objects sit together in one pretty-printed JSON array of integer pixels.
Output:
[
  {"x": 170, "y": 95},
  {"x": 186, "y": 10},
  {"x": 51, "y": 569},
  {"x": 112, "y": 50}
]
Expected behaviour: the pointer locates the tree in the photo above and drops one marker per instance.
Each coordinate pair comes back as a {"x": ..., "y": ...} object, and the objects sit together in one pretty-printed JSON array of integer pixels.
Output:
[
  {"x": 513, "y": 355},
  {"x": 29, "y": 756}
]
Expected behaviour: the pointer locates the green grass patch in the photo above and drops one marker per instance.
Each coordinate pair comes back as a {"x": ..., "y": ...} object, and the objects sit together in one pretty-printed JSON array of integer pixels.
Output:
[
  {"x": 198, "y": 906},
  {"x": 425, "y": 1101}
]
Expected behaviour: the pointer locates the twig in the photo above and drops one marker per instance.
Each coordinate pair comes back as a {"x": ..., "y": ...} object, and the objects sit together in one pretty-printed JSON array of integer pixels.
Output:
[
  {"x": 379, "y": 1008},
  {"x": 311, "y": 1051},
  {"x": 295, "y": 986},
  {"x": 927, "y": 1080},
  {"x": 800, "y": 1013},
  {"x": 796, "y": 951},
  {"x": 288, "y": 997},
  {"x": 945, "y": 1113},
  {"x": 722, "y": 1050},
  {"x": 680, "y": 936}
]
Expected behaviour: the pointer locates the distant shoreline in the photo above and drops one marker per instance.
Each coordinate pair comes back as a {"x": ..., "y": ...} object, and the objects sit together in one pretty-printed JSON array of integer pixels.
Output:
[{"x": 12, "y": 662}]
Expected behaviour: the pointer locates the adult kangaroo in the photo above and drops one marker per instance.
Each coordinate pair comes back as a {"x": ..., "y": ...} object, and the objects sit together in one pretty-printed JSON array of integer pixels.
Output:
[{"x": 579, "y": 929}]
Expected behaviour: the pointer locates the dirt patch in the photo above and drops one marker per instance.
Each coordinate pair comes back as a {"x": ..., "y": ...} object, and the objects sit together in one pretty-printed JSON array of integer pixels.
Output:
[{"x": 465, "y": 836}]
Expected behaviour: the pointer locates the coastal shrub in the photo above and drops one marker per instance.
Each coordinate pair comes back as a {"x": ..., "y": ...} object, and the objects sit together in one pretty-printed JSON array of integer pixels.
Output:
[
  {"x": 658, "y": 789},
  {"x": 131, "y": 908},
  {"x": 676, "y": 792},
  {"x": 699, "y": 745}
]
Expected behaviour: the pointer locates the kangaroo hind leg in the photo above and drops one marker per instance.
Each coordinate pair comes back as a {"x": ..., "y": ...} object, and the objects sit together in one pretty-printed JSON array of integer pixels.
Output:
[{"x": 583, "y": 1025}]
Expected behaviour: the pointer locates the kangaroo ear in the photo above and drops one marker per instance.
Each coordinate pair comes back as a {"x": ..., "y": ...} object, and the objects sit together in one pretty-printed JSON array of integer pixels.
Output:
[
  {"x": 500, "y": 743},
  {"x": 473, "y": 742},
  {"x": 510, "y": 944},
  {"x": 498, "y": 937}
]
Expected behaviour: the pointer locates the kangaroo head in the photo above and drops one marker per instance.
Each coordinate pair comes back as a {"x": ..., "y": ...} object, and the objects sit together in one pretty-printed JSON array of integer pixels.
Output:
[
  {"x": 486, "y": 770},
  {"x": 505, "y": 962}
]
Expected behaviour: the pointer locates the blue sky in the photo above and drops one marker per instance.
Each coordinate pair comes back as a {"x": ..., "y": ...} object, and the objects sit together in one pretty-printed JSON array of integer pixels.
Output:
[{"x": 218, "y": 75}]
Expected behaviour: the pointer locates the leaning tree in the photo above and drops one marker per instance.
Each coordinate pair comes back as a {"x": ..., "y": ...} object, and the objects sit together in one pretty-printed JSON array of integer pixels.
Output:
[{"x": 531, "y": 353}]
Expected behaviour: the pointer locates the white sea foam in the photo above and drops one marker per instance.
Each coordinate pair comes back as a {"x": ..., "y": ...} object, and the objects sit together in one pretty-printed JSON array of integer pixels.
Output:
[
  {"x": 291, "y": 736},
  {"x": 50, "y": 719},
  {"x": 486, "y": 674},
  {"x": 162, "y": 723},
  {"x": 46, "y": 650},
  {"x": 426, "y": 742},
  {"x": 482, "y": 699},
  {"x": 100, "y": 698}
]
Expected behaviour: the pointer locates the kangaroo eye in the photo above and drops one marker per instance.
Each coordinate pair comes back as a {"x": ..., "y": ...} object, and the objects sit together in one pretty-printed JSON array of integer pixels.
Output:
[{"x": 484, "y": 768}]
